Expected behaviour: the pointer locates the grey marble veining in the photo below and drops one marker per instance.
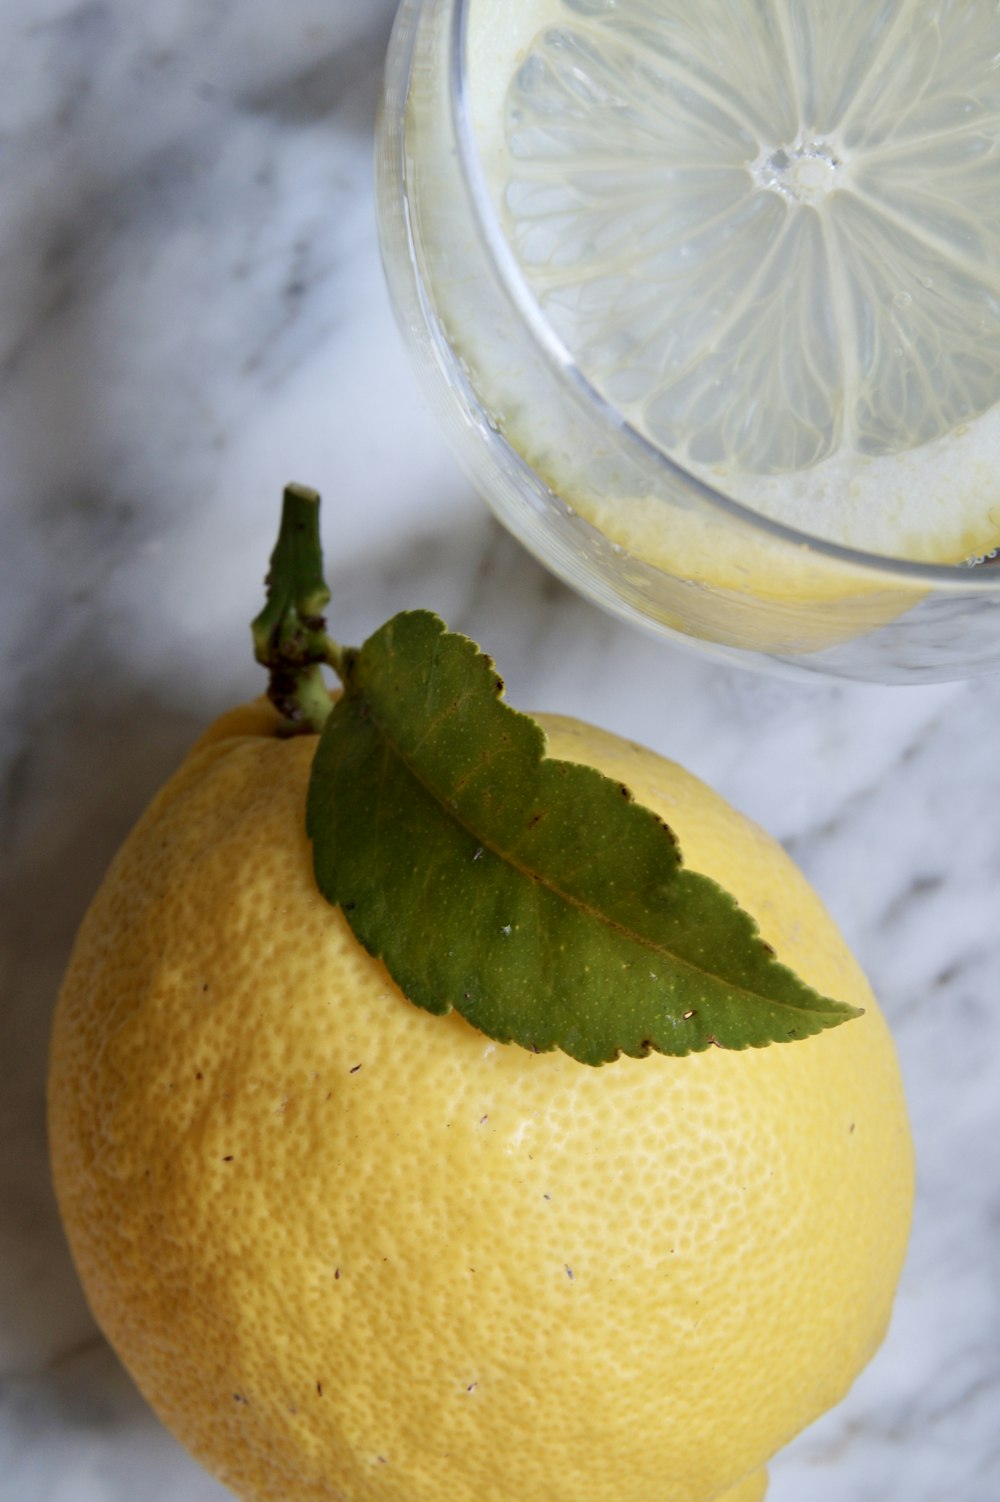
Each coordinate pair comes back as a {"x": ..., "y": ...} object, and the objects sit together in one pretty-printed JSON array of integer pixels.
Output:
[{"x": 191, "y": 312}]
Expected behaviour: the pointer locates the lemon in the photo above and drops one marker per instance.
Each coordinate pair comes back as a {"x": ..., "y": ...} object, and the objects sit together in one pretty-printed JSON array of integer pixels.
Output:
[
  {"x": 352, "y": 1252},
  {"x": 768, "y": 234}
]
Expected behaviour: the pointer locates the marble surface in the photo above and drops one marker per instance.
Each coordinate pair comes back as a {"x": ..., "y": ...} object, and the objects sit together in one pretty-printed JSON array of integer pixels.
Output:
[{"x": 191, "y": 312}]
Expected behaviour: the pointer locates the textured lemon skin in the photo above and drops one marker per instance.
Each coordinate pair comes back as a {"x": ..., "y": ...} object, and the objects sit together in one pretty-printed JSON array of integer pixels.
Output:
[{"x": 352, "y": 1252}]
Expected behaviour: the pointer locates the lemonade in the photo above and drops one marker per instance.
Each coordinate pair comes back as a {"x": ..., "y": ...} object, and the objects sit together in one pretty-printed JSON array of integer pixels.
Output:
[
  {"x": 770, "y": 235},
  {"x": 724, "y": 281}
]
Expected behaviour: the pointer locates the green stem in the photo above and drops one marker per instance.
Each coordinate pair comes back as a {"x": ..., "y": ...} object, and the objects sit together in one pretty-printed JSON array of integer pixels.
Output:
[{"x": 289, "y": 635}]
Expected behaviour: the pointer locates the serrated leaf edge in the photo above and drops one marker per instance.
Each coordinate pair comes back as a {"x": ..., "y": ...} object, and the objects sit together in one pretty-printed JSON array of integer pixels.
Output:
[{"x": 826, "y": 1008}]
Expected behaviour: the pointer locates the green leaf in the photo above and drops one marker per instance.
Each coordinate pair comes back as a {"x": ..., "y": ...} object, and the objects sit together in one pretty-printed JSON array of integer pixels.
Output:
[{"x": 533, "y": 896}]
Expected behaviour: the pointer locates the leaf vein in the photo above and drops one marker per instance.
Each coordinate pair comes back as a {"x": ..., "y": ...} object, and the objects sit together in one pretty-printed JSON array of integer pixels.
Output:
[{"x": 578, "y": 904}]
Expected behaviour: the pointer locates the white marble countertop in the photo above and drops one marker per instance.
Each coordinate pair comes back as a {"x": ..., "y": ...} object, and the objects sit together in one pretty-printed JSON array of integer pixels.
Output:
[{"x": 192, "y": 312}]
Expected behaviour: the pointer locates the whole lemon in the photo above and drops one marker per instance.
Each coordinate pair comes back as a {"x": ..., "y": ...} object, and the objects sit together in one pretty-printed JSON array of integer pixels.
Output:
[{"x": 353, "y": 1252}]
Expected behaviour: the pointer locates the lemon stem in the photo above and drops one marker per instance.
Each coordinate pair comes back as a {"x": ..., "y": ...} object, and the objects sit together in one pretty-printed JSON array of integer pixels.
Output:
[{"x": 289, "y": 634}]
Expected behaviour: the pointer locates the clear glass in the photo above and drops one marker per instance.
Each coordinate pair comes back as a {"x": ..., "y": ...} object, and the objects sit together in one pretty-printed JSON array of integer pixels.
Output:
[{"x": 547, "y": 450}]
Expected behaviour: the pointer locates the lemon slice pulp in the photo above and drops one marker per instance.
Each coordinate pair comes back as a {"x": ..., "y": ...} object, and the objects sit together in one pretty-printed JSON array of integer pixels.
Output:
[{"x": 768, "y": 231}]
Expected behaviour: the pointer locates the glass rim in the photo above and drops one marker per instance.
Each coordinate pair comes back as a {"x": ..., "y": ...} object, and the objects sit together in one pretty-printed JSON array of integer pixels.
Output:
[{"x": 958, "y": 578}]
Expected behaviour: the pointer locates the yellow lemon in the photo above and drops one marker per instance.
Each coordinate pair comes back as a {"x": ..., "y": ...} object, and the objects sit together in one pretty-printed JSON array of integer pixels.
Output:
[{"x": 352, "y": 1252}]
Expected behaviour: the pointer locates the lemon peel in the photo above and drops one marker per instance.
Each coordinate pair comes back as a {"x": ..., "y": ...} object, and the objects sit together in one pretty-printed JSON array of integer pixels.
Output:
[{"x": 352, "y": 1251}]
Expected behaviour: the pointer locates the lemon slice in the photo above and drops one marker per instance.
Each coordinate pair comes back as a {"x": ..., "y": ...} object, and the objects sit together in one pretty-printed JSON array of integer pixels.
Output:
[{"x": 769, "y": 233}]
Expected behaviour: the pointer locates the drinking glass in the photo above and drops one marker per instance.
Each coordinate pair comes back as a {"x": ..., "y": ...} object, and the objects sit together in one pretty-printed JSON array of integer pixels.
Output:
[{"x": 567, "y": 471}]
